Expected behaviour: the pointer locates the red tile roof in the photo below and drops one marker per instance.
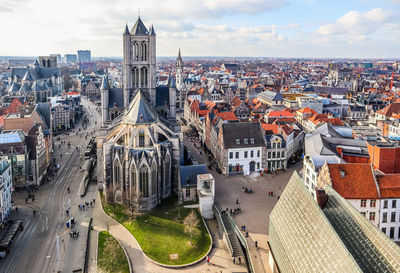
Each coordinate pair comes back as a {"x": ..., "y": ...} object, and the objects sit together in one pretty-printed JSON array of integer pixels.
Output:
[
  {"x": 227, "y": 116},
  {"x": 389, "y": 185},
  {"x": 277, "y": 114},
  {"x": 390, "y": 109},
  {"x": 270, "y": 127},
  {"x": 357, "y": 183},
  {"x": 307, "y": 110}
]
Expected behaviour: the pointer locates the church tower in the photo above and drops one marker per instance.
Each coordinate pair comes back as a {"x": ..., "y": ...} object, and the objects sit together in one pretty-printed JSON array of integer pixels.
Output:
[
  {"x": 179, "y": 71},
  {"x": 104, "y": 89},
  {"x": 139, "y": 46}
]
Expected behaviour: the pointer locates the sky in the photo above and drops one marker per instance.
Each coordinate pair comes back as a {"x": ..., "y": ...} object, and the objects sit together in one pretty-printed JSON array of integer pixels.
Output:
[{"x": 260, "y": 28}]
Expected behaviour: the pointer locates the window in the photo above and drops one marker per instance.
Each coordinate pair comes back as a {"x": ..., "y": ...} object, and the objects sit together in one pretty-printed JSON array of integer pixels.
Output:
[
  {"x": 237, "y": 155},
  {"x": 384, "y": 230},
  {"x": 144, "y": 181},
  {"x": 372, "y": 203},
  {"x": 238, "y": 141},
  {"x": 283, "y": 154},
  {"x": 141, "y": 138},
  {"x": 363, "y": 213},
  {"x": 269, "y": 154},
  {"x": 392, "y": 232},
  {"x": 385, "y": 204},
  {"x": 363, "y": 203},
  {"x": 258, "y": 165},
  {"x": 251, "y": 140},
  {"x": 245, "y": 154},
  {"x": 278, "y": 154},
  {"x": 394, "y": 204},
  {"x": 258, "y": 153},
  {"x": 372, "y": 216},
  {"x": 187, "y": 193},
  {"x": 384, "y": 217},
  {"x": 231, "y": 155},
  {"x": 274, "y": 145},
  {"x": 278, "y": 145},
  {"x": 393, "y": 217},
  {"x": 251, "y": 153},
  {"x": 273, "y": 154},
  {"x": 246, "y": 141}
]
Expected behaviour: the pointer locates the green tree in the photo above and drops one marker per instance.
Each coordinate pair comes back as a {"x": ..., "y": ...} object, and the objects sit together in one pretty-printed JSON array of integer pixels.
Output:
[
  {"x": 191, "y": 222},
  {"x": 111, "y": 253}
]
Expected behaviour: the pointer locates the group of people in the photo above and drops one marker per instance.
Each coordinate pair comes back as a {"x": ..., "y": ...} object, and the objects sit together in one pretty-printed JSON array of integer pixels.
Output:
[
  {"x": 247, "y": 190},
  {"x": 87, "y": 204},
  {"x": 74, "y": 234}
]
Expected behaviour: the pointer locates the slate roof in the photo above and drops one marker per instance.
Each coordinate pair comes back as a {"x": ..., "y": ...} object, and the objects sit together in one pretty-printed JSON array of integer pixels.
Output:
[
  {"x": 139, "y": 111},
  {"x": 36, "y": 74},
  {"x": 162, "y": 96},
  {"x": 115, "y": 96},
  {"x": 104, "y": 83},
  {"x": 337, "y": 238},
  {"x": 242, "y": 131},
  {"x": 189, "y": 174},
  {"x": 329, "y": 90},
  {"x": 139, "y": 28}
]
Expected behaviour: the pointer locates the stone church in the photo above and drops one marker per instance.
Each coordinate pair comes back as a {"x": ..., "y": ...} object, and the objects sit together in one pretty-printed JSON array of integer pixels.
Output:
[{"x": 141, "y": 153}]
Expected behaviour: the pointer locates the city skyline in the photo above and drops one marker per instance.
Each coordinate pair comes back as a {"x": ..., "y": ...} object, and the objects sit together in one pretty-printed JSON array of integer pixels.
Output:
[{"x": 259, "y": 28}]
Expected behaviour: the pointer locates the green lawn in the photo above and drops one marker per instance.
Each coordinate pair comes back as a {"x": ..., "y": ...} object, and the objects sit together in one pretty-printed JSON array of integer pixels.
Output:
[
  {"x": 161, "y": 232},
  {"x": 104, "y": 258}
]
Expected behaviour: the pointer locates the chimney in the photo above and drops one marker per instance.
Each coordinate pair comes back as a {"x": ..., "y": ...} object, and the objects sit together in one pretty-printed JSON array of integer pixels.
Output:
[{"x": 321, "y": 197}]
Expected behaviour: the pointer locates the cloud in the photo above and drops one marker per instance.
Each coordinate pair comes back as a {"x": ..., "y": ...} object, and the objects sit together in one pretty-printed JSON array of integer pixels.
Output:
[{"x": 5, "y": 9}]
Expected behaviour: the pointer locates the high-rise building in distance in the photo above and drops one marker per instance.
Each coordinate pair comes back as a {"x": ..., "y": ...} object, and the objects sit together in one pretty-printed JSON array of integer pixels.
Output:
[
  {"x": 70, "y": 58},
  {"x": 84, "y": 56}
]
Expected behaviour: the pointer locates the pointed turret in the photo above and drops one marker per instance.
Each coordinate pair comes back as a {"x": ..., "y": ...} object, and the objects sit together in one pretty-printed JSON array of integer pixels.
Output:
[
  {"x": 139, "y": 28},
  {"x": 171, "y": 81},
  {"x": 36, "y": 64},
  {"x": 151, "y": 31},
  {"x": 104, "y": 83},
  {"x": 179, "y": 61},
  {"x": 126, "y": 31}
]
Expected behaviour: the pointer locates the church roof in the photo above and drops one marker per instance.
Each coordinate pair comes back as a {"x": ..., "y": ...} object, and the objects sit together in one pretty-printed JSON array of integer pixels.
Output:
[
  {"x": 139, "y": 111},
  {"x": 27, "y": 76},
  {"x": 25, "y": 87},
  {"x": 139, "y": 28},
  {"x": 171, "y": 81}
]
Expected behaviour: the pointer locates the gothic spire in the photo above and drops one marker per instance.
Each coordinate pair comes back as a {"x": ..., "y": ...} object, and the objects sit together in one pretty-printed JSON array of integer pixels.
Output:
[{"x": 126, "y": 32}]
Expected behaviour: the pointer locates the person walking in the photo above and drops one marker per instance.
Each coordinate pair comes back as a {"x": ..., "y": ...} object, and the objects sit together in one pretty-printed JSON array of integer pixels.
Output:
[{"x": 208, "y": 259}]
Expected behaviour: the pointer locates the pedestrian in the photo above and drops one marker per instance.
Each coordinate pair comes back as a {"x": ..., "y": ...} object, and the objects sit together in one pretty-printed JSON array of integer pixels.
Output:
[
  {"x": 26, "y": 200},
  {"x": 208, "y": 259},
  {"x": 230, "y": 211},
  {"x": 272, "y": 193},
  {"x": 256, "y": 244},
  {"x": 237, "y": 201},
  {"x": 278, "y": 197},
  {"x": 83, "y": 207},
  {"x": 94, "y": 200},
  {"x": 68, "y": 190},
  {"x": 240, "y": 260},
  {"x": 234, "y": 260},
  {"x": 16, "y": 209},
  {"x": 91, "y": 203},
  {"x": 33, "y": 198}
]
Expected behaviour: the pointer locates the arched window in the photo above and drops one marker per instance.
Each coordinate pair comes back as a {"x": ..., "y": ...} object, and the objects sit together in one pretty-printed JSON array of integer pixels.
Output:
[
  {"x": 117, "y": 175},
  {"x": 154, "y": 179},
  {"x": 141, "y": 138},
  {"x": 167, "y": 171},
  {"x": 144, "y": 181},
  {"x": 136, "y": 52},
  {"x": 133, "y": 181},
  {"x": 48, "y": 63}
]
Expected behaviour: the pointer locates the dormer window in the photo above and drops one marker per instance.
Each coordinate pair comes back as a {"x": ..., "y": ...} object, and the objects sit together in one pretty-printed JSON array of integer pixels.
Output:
[
  {"x": 238, "y": 141},
  {"x": 251, "y": 140},
  {"x": 246, "y": 141}
]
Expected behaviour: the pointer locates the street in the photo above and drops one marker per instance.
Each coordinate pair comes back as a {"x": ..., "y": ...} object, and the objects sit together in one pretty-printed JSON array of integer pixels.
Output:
[{"x": 35, "y": 248}]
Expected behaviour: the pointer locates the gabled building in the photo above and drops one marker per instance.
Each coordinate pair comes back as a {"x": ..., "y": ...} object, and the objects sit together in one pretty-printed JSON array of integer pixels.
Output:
[{"x": 241, "y": 148}]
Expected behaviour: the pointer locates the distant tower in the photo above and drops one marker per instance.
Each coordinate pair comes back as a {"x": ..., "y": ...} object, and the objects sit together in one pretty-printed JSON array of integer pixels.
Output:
[
  {"x": 179, "y": 71},
  {"x": 139, "y": 62},
  {"x": 104, "y": 89},
  {"x": 172, "y": 97},
  {"x": 179, "y": 80}
]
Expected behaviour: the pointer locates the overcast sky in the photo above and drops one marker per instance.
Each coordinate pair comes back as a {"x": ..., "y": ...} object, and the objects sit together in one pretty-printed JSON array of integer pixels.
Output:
[{"x": 270, "y": 28}]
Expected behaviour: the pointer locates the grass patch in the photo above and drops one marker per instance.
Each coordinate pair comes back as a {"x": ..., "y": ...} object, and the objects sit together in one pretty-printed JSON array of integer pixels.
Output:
[
  {"x": 107, "y": 261},
  {"x": 161, "y": 232}
]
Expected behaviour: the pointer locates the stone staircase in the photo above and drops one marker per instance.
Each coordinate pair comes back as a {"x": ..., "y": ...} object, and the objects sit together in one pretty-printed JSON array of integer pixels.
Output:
[{"x": 236, "y": 248}]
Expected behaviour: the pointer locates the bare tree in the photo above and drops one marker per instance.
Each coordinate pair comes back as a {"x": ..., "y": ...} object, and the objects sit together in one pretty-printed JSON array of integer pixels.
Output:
[
  {"x": 111, "y": 253},
  {"x": 111, "y": 199},
  {"x": 191, "y": 222}
]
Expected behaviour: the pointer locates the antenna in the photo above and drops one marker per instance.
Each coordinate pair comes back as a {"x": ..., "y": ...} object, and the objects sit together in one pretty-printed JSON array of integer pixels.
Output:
[{"x": 139, "y": 12}]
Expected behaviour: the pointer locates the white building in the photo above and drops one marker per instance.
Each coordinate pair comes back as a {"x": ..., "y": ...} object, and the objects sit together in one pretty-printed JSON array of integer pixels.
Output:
[
  {"x": 5, "y": 188},
  {"x": 241, "y": 147},
  {"x": 390, "y": 217},
  {"x": 206, "y": 193}
]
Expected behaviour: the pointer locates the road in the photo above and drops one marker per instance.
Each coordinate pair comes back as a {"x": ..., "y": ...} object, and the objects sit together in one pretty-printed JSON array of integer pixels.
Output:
[{"x": 35, "y": 248}]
